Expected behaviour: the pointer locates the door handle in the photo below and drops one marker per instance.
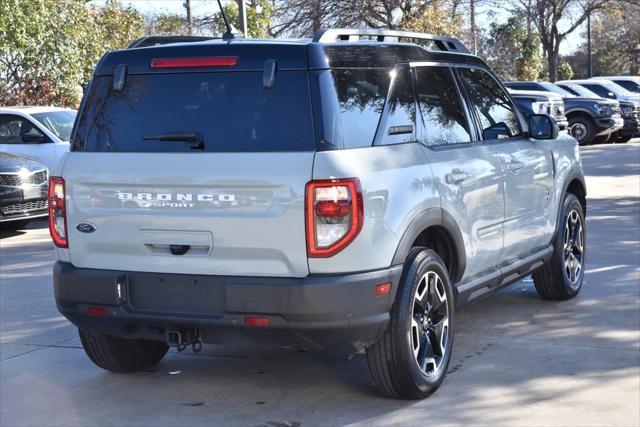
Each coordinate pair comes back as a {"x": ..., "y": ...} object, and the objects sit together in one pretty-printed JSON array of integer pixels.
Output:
[
  {"x": 456, "y": 176},
  {"x": 514, "y": 165}
]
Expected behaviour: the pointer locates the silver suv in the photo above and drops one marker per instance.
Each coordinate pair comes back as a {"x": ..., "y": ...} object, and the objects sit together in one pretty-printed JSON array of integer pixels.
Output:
[{"x": 347, "y": 193}]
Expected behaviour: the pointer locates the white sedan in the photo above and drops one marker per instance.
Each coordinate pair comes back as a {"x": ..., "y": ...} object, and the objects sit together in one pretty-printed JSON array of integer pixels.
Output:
[{"x": 41, "y": 133}]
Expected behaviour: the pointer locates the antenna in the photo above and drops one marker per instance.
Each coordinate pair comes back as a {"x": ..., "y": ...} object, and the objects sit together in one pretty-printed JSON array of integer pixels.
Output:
[{"x": 229, "y": 34}]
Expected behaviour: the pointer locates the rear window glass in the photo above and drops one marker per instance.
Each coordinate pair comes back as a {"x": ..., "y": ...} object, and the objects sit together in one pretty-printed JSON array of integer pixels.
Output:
[{"x": 232, "y": 112}]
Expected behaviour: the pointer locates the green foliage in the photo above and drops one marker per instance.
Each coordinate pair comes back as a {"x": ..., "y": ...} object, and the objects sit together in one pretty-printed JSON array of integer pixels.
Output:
[
  {"x": 565, "y": 70},
  {"x": 513, "y": 52},
  {"x": 48, "y": 48},
  {"x": 257, "y": 22}
]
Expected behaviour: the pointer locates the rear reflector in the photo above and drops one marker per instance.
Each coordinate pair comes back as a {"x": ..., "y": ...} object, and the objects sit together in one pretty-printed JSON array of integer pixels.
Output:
[
  {"x": 207, "y": 61},
  {"x": 383, "y": 289},
  {"x": 97, "y": 311},
  {"x": 259, "y": 321}
]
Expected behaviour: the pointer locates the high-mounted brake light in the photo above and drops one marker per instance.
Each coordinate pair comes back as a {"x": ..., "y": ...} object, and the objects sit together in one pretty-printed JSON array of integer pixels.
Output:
[
  {"x": 203, "y": 61},
  {"x": 57, "y": 212},
  {"x": 334, "y": 215}
]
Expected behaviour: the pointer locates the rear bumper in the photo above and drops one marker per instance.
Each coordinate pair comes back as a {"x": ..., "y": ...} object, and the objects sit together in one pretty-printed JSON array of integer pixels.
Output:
[{"x": 336, "y": 313}]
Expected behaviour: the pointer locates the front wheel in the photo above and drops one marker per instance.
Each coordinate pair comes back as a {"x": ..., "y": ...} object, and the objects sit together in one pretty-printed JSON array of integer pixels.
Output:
[
  {"x": 410, "y": 360},
  {"x": 561, "y": 277},
  {"x": 582, "y": 130}
]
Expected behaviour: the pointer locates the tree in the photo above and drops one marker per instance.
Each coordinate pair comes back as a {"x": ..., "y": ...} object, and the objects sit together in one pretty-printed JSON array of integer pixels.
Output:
[
  {"x": 48, "y": 48},
  {"x": 615, "y": 39},
  {"x": 549, "y": 17},
  {"x": 514, "y": 41},
  {"x": 565, "y": 70}
]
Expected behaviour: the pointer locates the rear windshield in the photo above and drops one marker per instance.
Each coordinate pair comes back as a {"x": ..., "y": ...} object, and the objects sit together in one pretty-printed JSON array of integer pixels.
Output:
[{"x": 231, "y": 112}]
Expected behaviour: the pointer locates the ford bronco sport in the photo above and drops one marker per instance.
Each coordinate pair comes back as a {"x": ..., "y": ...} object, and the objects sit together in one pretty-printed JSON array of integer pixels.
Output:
[{"x": 347, "y": 193}]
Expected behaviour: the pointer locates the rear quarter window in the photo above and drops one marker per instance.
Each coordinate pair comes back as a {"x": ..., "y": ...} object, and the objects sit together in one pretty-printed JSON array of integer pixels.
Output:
[{"x": 232, "y": 111}]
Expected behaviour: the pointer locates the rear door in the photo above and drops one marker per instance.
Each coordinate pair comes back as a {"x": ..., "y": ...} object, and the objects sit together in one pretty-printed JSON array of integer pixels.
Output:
[
  {"x": 468, "y": 173},
  {"x": 527, "y": 165},
  {"x": 201, "y": 172}
]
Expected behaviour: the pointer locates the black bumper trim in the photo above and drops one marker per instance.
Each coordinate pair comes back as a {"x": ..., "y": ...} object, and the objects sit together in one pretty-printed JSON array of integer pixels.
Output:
[{"x": 337, "y": 313}]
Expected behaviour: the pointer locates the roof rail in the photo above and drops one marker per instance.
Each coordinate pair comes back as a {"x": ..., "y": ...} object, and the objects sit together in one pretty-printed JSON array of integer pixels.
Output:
[
  {"x": 330, "y": 35},
  {"x": 158, "y": 40}
]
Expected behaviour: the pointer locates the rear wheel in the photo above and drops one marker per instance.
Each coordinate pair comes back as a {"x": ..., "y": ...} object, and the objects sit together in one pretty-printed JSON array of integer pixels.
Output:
[
  {"x": 582, "y": 130},
  {"x": 410, "y": 360},
  {"x": 561, "y": 277},
  {"x": 120, "y": 354}
]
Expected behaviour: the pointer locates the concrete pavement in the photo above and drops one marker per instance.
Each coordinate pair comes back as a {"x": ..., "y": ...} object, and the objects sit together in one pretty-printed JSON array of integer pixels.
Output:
[{"x": 517, "y": 360}]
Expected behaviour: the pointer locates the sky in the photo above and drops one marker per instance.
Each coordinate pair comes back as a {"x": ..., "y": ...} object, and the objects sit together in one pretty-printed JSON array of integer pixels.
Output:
[{"x": 203, "y": 7}]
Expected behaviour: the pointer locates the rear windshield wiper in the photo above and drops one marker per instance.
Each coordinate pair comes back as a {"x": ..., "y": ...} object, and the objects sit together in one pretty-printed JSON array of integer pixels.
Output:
[{"x": 194, "y": 139}]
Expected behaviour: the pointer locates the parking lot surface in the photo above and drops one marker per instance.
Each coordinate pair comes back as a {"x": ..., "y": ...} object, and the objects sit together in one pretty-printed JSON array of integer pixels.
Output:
[{"x": 517, "y": 360}]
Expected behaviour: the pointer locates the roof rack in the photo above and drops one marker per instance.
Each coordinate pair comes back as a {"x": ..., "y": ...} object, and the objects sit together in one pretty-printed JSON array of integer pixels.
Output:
[
  {"x": 331, "y": 35},
  {"x": 158, "y": 40}
]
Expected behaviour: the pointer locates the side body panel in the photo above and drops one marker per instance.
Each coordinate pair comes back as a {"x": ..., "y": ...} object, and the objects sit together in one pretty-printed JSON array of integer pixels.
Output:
[
  {"x": 528, "y": 178},
  {"x": 476, "y": 201},
  {"x": 397, "y": 185}
]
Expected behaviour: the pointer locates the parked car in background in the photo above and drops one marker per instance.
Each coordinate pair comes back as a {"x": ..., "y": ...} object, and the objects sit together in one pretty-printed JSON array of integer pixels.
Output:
[
  {"x": 23, "y": 190},
  {"x": 592, "y": 119},
  {"x": 41, "y": 133},
  {"x": 606, "y": 89},
  {"x": 630, "y": 83},
  {"x": 531, "y": 102}
]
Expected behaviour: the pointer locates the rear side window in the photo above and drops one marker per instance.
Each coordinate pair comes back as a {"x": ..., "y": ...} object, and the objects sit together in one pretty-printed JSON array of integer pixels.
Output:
[
  {"x": 440, "y": 107},
  {"x": 361, "y": 96},
  {"x": 494, "y": 109},
  {"x": 232, "y": 112},
  {"x": 399, "y": 119}
]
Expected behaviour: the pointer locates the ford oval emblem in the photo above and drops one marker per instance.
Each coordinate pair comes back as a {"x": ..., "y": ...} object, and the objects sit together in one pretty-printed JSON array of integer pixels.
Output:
[{"x": 85, "y": 227}]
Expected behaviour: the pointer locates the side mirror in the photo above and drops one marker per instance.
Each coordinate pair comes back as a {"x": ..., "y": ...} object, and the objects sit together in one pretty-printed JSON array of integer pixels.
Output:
[
  {"x": 611, "y": 95},
  {"x": 542, "y": 126},
  {"x": 498, "y": 131},
  {"x": 33, "y": 138}
]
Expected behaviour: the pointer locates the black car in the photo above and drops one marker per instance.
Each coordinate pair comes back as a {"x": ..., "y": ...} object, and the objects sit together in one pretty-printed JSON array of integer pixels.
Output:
[
  {"x": 531, "y": 102},
  {"x": 23, "y": 190},
  {"x": 591, "y": 119}
]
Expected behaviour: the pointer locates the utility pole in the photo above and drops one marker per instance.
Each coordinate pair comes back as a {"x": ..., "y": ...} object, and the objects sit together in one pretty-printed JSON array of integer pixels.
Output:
[
  {"x": 474, "y": 40},
  {"x": 187, "y": 5},
  {"x": 589, "y": 62},
  {"x": 242, "y": 12}
]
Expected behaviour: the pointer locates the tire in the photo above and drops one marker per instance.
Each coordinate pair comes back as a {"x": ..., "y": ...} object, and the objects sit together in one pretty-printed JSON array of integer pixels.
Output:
[
  {"x": 393, "y": 363},
  {"x": 120, "y": 354},
  {"x": 582, "y": 130},
  {"x": 15, "y": 225},
  {"x": 602, "y": 139},
  {"x": 559, "y": 279},
  {"x": 622, "y": 139}
]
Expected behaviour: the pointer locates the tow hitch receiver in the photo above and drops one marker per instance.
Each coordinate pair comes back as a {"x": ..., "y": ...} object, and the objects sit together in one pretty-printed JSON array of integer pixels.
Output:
[{"x": 183, "y": 338}]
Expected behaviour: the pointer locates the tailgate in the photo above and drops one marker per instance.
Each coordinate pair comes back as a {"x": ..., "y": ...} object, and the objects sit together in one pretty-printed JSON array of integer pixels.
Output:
[{"x": 205, "y": 213}]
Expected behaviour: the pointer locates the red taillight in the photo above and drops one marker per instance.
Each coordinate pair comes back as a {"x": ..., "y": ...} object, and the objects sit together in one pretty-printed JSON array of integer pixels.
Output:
[
  {"x": 57, "y": 212},
  {"x": 257, "y": 321},
  {"x": 334, "y": 215},
  {"x": 207, "y": 61}
]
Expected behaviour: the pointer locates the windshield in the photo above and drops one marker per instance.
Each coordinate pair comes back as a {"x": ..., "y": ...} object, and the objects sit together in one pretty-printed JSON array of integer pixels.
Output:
[
  {"x": 615, "y": 88},
  {"x": 60, "y": 123},
  {"x": 553, "y": 88},
  {"x": 581, "y": 90}
]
